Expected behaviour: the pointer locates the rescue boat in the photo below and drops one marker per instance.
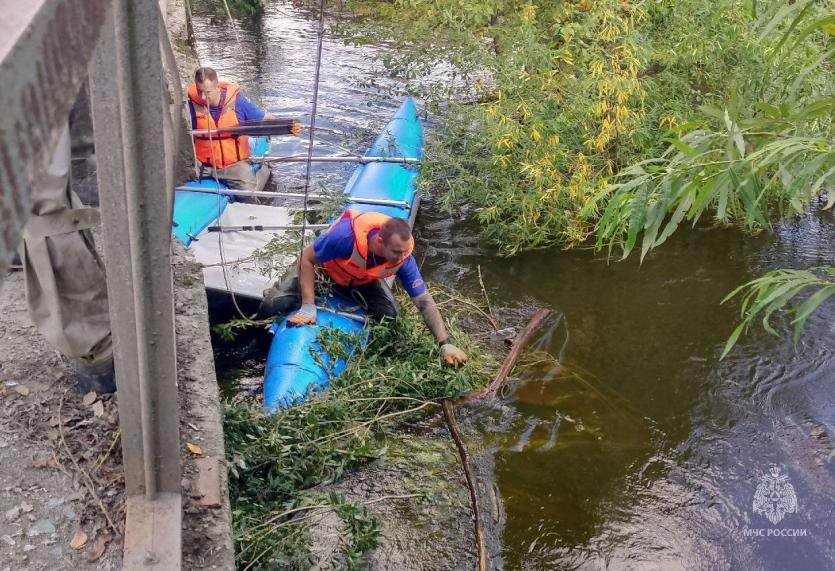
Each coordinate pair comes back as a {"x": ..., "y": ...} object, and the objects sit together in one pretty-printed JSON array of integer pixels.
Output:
[{"x": 297, "y": 364}]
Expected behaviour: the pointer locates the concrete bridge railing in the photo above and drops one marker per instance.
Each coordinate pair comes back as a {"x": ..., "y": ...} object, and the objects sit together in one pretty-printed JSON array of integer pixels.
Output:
[{"x": 48, "y": 48}]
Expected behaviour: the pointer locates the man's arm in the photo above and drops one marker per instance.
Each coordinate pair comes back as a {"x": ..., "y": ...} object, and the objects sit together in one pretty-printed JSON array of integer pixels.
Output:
[
  {"x": 432, "y": 317},
  {"x": 338, "y": 242},
  {"x": 307, "y": 274},
  {"x": 412, "y": 282},
  {"x": 306, "y": 315},
  {"x": 246, "y": 110}
]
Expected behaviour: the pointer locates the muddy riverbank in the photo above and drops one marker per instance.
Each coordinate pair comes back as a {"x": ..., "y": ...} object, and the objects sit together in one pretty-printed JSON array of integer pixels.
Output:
[{"x": 419, "y": 493}]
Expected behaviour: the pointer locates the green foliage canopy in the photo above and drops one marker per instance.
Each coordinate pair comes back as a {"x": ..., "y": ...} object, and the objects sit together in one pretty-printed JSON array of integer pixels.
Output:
[{"x": 541, "y": 104}]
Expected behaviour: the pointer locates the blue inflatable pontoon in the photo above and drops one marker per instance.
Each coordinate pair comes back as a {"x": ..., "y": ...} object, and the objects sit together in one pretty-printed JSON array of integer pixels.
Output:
[{"x": 296, "y": 363}]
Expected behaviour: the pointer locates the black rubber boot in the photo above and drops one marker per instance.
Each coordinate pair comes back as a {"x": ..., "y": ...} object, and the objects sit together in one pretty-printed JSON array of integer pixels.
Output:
[
  {"x": 98, "y": 376},
  {"x": 278, "y": 302}
]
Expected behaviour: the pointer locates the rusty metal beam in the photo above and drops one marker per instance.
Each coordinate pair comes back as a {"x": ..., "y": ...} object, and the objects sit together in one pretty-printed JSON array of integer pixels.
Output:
[{"x": 44, "y": 49}]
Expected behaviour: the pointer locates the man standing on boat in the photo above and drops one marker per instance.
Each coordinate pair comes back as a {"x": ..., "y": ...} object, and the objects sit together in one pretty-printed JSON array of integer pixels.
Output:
[
  {"x": 358, "y": 252},
  {"x": 215, "y": 105}
]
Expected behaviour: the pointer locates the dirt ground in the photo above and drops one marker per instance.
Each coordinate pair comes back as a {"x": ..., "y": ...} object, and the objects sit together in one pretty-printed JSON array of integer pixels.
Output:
[
  {"x": 57, "y": 448},
  {"x": 46, "y": 427}
]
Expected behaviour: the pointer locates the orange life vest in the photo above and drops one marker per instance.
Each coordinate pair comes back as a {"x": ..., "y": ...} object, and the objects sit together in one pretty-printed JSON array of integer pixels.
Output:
[
  {"x": 222, "y": 150},
  {"x": 354, "y": 271}
]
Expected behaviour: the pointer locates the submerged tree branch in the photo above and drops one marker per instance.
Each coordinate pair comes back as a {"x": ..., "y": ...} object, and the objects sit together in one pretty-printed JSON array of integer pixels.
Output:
[
  {"x": 520, "y": 341},
  {"x": 452, "y": 425}
]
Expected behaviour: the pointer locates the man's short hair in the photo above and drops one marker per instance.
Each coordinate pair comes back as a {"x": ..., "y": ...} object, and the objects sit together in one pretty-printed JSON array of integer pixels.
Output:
[
  {"x": 204, "y": 73},
  {"x": 394, "y": 226}
]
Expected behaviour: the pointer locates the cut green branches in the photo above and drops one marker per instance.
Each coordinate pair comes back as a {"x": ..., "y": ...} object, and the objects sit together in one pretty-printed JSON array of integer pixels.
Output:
[{"x": 274, "y": 461}]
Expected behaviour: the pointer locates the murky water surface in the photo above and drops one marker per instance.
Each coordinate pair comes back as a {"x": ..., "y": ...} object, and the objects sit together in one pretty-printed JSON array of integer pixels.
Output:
[{"x": 627, "y": 444}]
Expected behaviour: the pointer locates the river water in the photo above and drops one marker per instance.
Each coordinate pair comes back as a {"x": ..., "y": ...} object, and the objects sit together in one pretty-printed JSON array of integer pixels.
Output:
[{"x": 626, "y": 444}]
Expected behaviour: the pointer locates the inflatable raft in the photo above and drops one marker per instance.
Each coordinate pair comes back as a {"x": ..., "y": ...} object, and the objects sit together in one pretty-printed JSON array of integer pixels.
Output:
[
  {"x": 297, "y": 364},
  {"x": 195, "y": 210}
]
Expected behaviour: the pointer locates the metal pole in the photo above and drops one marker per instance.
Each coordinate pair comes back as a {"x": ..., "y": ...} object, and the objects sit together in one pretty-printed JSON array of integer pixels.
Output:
[
  {"x": 337, "y": 159},
  {"x": 259, "y": 228},
  {"x": 252, "y": 193},
  {"x": 266, "y": 194}
]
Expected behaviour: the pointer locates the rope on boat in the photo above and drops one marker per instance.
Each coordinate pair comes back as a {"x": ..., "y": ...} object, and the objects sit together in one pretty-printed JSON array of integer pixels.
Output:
[
  {"x": 217, "y": 180},
  {"x": 232, "y": 22},
  {"x": 321, "y": 35}
]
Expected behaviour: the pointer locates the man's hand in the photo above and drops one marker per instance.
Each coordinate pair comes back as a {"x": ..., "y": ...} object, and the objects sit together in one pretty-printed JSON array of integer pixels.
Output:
[
  {"x": 304, "y": 316},
  {"x": 453, "y": 355}
]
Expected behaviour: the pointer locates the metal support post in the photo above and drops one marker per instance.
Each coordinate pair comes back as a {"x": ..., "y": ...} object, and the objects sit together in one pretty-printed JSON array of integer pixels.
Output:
[
  {"x": 338, "y": 159},
  {"x": 129, "y": 108},
  {"x": 269, "y": 194}
]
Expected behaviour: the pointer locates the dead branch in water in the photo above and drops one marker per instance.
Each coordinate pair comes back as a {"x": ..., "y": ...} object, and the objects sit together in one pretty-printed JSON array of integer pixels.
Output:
[
  {"x": 509, "y": 361},
  {"x": 452, "y": 425},
  {"x": 486, "y": 299}
]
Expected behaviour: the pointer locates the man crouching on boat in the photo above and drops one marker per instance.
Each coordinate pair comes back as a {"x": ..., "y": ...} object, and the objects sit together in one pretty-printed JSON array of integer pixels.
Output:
[
  {"x": 358, "y": 252},
  {"x": 215, "y": 105}
]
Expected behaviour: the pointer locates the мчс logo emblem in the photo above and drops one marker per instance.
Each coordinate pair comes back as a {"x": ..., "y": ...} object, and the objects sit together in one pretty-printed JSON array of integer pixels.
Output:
[{"x": 775, "y": 496}]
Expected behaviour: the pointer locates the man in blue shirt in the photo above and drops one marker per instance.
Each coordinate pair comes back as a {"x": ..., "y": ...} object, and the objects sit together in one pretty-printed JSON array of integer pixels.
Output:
[
  {"x": 216, "y": 105},
  {"x": 359, "y": 252}
]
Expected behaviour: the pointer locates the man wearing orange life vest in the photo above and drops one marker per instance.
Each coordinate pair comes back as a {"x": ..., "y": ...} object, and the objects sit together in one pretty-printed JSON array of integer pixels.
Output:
[
  {"x": 217, "y": 104},
  {"x": 358, "y": 252}
]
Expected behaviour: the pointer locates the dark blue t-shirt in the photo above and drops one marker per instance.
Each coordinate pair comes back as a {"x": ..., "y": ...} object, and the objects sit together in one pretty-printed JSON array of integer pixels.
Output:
[
  {"x": 245, "y": 109},
  {"x": 338, "y": 244}
]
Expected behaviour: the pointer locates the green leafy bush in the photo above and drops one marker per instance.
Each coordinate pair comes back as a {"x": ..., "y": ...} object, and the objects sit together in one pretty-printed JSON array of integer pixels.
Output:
[{"x": 540, "y": 104}]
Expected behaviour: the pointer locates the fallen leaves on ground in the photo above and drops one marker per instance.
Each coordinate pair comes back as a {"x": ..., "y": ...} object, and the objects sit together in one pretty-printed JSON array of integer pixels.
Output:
[
  {"x": 99, "y": 546},
  {"x": 79, "y": 539},
  {"x": 89, "y": 398},
  {"x": 194, "y": 449}
]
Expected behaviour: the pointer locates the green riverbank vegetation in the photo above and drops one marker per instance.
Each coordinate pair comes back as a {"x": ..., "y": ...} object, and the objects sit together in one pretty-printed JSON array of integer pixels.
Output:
[
  {"x": 565, "y": 102},
  {"x": 610, "y": 123},
  {"x": 276, "y": 462}
]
